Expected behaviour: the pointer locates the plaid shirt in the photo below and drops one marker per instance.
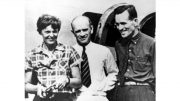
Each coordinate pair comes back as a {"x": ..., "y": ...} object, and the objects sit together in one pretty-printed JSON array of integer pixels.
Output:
[{"x": 51, "y": 65}]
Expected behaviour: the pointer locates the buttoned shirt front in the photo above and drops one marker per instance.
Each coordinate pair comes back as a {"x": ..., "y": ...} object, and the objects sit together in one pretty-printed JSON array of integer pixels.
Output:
[
  {"x": 139, "y": 56},
  {"x": 49, "y": 66},
  {"x": 101, "y": 61}
]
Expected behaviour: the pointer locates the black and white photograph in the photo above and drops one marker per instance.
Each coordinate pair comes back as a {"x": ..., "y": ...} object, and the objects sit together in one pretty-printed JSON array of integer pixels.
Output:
[{"x": 90, "y": 50}]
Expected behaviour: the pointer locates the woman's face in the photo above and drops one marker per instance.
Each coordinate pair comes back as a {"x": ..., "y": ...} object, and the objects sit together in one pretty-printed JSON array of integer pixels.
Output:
[{"x": 49, "y": 35}]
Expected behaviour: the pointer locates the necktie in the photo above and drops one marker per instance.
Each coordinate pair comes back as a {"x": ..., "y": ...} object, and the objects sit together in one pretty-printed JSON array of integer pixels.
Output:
[{"x": 85, "y": 72}]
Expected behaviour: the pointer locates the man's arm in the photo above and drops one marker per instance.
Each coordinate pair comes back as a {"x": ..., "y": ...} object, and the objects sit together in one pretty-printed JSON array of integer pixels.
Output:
[{"x": 112, "y": 71}]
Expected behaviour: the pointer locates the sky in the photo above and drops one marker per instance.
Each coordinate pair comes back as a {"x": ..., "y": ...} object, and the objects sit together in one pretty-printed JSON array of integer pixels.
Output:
[{"x": 66, "y": 10}]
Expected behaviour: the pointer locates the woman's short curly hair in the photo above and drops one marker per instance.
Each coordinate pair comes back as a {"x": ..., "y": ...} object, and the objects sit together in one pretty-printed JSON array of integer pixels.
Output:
[{"x": 46, "y": 20}]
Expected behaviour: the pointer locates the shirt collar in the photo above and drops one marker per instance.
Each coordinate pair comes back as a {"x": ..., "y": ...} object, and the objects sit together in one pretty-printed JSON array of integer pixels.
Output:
[
  {"x": 80, "y": 48},
  {"x": 43, "y": 47},
  {"x": 136, "y": 38},
  {"x": 88, "y": 45}
]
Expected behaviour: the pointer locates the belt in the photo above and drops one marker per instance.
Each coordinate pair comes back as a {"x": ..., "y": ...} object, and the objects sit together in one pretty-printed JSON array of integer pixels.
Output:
[{"x": 134, "y": 83}]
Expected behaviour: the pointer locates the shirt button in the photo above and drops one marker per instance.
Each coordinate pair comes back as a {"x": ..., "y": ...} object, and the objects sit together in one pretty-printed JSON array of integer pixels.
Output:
[
  {"x": 129, "y": 60},
  {"x": 128, "y": 70},
  {"x": 129, "y": 50}
]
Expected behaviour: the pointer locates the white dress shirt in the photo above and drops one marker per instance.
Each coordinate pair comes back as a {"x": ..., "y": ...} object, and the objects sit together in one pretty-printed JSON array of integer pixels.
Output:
[{"x": 100, "y": 59}]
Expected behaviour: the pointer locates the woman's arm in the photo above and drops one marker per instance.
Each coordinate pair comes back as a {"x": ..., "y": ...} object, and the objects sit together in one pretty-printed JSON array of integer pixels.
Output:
[
  {"x": 34, "y": 89},
  {"x": 75, "y": 81},
  {"x": 30, "y": 88}
]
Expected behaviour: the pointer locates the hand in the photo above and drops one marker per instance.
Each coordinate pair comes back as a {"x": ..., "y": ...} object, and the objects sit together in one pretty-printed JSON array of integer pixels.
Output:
[
  {"x": 107, "y": 84},
  {"x": 44, "y": 63},
  {"x": 49, "y": 92},
  {"x": 61, "y": 82},
  {"x": 41, "y": 91}
]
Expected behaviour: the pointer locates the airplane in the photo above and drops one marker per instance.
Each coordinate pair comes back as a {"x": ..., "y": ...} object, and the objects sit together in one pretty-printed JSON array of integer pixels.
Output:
[
  {"x": 66, "y": 10},
  {"x": 100, "y": 13},
  {"x": 106, "y": 34}
]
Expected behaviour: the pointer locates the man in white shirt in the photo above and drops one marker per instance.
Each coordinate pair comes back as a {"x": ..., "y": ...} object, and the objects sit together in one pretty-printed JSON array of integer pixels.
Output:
[{"x": 100, "y": 60}]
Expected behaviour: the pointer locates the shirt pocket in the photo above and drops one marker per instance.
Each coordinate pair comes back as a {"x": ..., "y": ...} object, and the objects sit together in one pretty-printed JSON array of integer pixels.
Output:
[{"x": 142, "y": 63}]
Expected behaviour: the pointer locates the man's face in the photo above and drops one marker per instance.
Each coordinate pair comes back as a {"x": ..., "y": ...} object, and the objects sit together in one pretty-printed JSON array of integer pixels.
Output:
[
  {"x": 124, "y": 25},
  {"x": 82, "y": 31},
  {"x": 49, "y": 35}
]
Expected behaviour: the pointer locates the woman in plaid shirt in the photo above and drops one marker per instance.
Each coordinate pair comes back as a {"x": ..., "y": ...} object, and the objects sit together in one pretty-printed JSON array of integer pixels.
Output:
[{"x": 52, "y": 69}]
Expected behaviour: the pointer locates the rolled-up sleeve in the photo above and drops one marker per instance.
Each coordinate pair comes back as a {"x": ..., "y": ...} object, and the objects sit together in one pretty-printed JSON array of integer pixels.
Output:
[{"x": 28, "y": 63}]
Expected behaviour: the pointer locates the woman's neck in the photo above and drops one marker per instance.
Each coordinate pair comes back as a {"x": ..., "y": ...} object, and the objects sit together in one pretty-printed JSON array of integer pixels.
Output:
[{"x": 50, "y": 47}]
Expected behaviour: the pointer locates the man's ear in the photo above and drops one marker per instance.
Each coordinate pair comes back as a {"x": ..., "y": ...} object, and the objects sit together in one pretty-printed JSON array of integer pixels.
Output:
[
  {"x": 92, "y": 29},
  {"x": 136, "y": 22},
  {"x": 73, "y": 32}
]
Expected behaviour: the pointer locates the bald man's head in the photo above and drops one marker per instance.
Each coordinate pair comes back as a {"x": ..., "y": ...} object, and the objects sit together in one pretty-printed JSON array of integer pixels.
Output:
[
  {"x": 80, "y": 19},
  {"x": 82, "y": 29}
]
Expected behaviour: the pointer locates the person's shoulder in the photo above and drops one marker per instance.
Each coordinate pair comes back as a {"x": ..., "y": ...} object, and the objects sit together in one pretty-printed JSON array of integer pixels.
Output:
[
  {"x": 67, "y": 48},
  {"x": 34, "y": 50},
  {"x": 147, "y": 37},
  {"x": 100, "y": 47},
  {"x": 147, "y": 40},
  {"x": 76, "y": 46},
  {"x": 61, "y": 46},
  {"x": 118, "y": 42}
]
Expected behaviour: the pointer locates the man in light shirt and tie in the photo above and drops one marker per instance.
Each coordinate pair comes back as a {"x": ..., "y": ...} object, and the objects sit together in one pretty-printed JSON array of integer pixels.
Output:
[{"x": 99, "y": 69}]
